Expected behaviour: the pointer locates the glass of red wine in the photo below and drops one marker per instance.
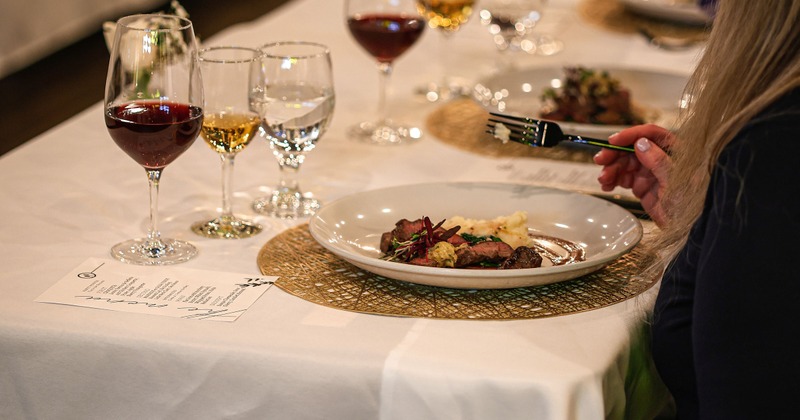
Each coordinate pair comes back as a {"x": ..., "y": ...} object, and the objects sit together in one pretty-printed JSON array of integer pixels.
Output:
[
  {"x": 385, "y": 29},
  {"x": 153, "y": 112}
]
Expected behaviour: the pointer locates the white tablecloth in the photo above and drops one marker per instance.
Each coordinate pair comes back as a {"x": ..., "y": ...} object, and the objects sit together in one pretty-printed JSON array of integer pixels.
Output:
[{"x": 71, "y": 193}]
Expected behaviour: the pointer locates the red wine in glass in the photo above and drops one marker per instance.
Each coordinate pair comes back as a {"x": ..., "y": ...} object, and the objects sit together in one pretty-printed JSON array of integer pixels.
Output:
[
  {"x": 385, "y": 36},
  {"x": 154, "y": 133},
  {"x": 386, "y": 29},
  {"x": 153, "y": 112}
]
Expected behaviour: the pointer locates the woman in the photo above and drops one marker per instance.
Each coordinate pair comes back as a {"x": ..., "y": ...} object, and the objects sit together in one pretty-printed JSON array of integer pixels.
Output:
[{"x": 725, "y": 191}]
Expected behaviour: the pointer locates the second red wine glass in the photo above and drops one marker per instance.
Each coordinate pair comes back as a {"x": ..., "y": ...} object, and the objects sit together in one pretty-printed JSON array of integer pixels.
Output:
[{"x": 385, "y": 29}]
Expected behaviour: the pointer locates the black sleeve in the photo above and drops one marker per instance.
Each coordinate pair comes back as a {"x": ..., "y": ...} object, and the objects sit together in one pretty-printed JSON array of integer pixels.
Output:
[{"x": 747, "y": 304}]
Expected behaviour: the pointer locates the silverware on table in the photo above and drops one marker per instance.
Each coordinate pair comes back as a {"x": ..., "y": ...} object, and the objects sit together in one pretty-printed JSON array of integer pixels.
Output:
[{"x": 539, "y": 133}]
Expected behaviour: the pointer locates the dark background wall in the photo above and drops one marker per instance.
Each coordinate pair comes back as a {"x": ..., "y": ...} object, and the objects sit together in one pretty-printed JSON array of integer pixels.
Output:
[{"x": 42, "y": 95}]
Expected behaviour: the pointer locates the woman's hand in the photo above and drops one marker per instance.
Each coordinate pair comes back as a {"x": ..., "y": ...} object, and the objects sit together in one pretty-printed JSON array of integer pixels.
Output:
[{"x": 645, "y": 172}]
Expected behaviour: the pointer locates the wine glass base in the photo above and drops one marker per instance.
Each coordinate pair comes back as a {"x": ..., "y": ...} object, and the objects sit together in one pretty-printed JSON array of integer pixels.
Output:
[
  {"x": 233, "y": 228},
  {"x": 148, "y": 252},
  {"x": 546, "y": 45},
  {"x": 286, "y": 207},
  {"x": 440, "y": 92},
  {"x": 385, "y": 134}
]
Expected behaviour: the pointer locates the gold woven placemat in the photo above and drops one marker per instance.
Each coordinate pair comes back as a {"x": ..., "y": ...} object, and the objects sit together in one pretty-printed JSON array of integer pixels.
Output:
[
  {"x": 462, "y": 123},
  {"x": 308, "y": 271},
  {"x": 612, "y": 15}
]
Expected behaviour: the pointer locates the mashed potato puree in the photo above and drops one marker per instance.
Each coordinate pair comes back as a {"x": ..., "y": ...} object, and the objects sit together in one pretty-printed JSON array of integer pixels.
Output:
[{"x": 512, "y": 229}]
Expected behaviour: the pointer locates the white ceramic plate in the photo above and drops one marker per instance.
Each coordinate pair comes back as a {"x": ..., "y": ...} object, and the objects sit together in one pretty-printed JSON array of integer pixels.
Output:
[
  {"x": 518, "y": 92},
  {"x": 351, "y": 228},
  {"x": 672, "y": 10}
]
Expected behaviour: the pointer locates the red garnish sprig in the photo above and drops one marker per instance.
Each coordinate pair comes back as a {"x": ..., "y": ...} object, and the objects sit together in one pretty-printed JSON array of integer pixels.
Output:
[{"x": 426, "y": 238}]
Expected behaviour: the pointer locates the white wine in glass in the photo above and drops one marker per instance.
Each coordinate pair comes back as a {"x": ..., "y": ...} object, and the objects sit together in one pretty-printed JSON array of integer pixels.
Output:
[
  {"x": 153, "y": 112},
  {"x": 228, "y": 127},
  {"x": 292, "y": 91}
]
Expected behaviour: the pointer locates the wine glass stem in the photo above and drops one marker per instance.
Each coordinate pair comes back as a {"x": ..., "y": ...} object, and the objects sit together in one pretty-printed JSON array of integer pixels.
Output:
[
  {"x": 385, "y": 73},
  {"x": 227, "y": 180},
  {"x": 288, "y": 182},
  {"x": 153, "y": 235},
  {"x": 444, "y": 59},
  {"x": 505, "y": 62}
]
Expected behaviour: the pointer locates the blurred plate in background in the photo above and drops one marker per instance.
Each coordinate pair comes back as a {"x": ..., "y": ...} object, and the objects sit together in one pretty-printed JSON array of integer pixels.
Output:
[
  {"x": 685, "y": 12},
  {"x": 518, "y": 92}
]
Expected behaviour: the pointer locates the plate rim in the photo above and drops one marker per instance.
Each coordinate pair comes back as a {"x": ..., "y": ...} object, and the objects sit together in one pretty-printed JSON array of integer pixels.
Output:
[{"x": 687, "y": 14}]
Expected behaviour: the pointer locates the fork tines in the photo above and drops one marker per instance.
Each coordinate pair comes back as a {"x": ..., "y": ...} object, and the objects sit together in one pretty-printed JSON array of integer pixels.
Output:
[
  {"x": 539, "y": 133},
  {"x": 516, "y": 129}
]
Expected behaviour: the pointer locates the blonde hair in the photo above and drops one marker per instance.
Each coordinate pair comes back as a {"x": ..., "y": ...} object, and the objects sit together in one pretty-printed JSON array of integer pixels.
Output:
[{"x": 752, "y": 59}]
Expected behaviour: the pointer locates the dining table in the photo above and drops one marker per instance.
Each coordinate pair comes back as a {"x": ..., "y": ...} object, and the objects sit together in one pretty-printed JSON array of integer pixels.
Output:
[{"x": 70, "y": 194}]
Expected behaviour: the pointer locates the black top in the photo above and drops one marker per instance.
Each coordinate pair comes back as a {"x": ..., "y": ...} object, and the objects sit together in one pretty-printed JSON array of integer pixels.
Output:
[{"x": 727, "y": 317}]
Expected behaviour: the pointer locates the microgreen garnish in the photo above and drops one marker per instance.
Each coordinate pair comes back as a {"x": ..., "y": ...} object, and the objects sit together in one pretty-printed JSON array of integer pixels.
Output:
[
  {"x": 474, "y": 239},
  {"x": 420, "y": 241}
]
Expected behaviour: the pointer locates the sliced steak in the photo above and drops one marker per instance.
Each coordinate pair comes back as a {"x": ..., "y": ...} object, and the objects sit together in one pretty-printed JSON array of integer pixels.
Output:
[
  {"x": 425, "y": 261},
  {"x": 523, "y": 257},
  {"x": 456, "y": 240},
  {"x": 403, "y": 231},
  {"x": 483, "y": 252},
  {"x": 386, "y": 241}
]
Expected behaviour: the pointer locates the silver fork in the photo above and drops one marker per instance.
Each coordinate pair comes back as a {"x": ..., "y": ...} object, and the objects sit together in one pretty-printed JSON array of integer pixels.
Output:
[{"x": 539, "y": 133}]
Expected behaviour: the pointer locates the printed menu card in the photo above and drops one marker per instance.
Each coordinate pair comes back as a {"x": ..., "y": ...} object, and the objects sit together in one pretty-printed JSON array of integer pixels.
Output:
[{"x": 164, "y": 290}]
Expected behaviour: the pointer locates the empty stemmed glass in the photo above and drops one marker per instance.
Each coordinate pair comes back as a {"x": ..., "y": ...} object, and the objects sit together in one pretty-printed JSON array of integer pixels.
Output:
[
  {"x": 544, "y": 42},
  {"x": 228, "y": 127},
  {"x": 514, "y": 25},
  {"x": 509, "y": 22},
  {"x": 385, "y": 29},
  {"x": 446, "y": 16},
  {"x": 153, "y": 112},
  {"x": 292, "y": 91}
]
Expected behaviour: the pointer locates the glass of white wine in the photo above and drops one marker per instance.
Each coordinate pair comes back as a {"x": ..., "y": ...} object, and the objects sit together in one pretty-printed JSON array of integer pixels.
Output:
[
  {"x": 447, "y": 17},
  {"x": 228, "y": 128},
  {"x": 293, "y": 94}
]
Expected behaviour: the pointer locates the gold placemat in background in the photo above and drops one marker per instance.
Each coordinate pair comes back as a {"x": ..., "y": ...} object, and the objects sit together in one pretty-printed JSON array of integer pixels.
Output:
[
  {"x": 308, "y": 271},
  {"x": 462, "y": 123},
  {"x": 612, "y": 15}
]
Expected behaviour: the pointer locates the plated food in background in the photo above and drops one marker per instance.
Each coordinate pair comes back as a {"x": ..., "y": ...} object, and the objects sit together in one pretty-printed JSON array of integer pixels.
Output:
[
  {"x": 589, "y": 96},
  {"x": 500, "y": 243},
  {"x": 656, "y": 96}
]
